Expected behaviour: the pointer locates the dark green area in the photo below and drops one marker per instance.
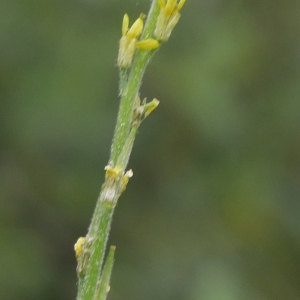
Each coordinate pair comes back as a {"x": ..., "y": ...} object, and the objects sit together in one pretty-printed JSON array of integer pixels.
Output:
[{"x": 212, "y": 211}]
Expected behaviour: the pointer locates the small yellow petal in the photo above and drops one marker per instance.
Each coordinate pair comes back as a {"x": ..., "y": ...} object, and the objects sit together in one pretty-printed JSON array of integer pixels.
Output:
[
  {"x": 125, "y": 24},
  {"x": 170, "y": 7},
  {"x": 125, "y": 180},
  {"x": 161, "y": 3},
  {"x": 173, "y": 20},
  {"x": 78, "y": 247},
  {"x": 126, "y": 177},
  {"x": 148, "y": 44},
  {"x": 180, "y": 4},
  {"x": 113, "y": 172},
  {"x": 152, "y": 105},
  {"x": 137, "y": 27}
]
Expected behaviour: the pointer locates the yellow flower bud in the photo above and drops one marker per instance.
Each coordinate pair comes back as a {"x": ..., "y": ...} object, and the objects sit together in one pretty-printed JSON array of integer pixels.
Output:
[
  {"x": 168, "y": 18},
  {"x": 148, "y": 44},
  {"x": 78, "y": 247},
  {"x": 128, "y": 40}
]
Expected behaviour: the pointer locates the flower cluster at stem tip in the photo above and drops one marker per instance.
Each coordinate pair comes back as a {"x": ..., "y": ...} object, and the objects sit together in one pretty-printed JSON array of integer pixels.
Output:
[
  {"x": 129, "y": 41},
  {"x": 168, "y": 18},
  {"x": 166, "y": 21}
]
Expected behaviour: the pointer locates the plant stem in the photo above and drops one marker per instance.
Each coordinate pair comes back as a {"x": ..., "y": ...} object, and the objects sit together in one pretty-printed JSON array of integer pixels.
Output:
[
  {"x": 95, "y": 249},
  {"x": 92, "y": 257},
  {"x": 130, "y": 91},
  {"x": 104, "y": 283}
]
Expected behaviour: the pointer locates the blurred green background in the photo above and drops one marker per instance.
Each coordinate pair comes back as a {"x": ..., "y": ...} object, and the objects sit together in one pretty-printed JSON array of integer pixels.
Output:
[{"x": 212, "y": 211}]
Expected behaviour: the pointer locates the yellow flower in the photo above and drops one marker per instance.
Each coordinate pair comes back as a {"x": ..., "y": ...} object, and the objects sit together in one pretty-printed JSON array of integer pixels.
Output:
[
  {"x": 111, "y": 172},
  {"x": 126, "y": 178},
  {"x": 149, "y": 107},
  {"x": 129, "y": 41},
  {"x": 168, "y": 18},
  {"x": 78, "y": 247},
  {"x": 148, "y": 44},
  {"x": 135, "y": 30}
]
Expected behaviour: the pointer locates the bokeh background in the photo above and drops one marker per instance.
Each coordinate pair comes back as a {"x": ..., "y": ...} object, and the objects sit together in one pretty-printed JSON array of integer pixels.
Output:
[{"x": 213, "y": 211}]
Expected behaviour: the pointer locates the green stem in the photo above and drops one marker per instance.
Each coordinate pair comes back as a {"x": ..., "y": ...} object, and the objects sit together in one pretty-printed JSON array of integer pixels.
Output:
[
  {"x": 104, "y": 282},
  {"x": 127, "y": 104},
  {"x": 125, "y": 154},
  {"x": 92, "y": 256},
  {"x": 130, "y": 92},
  {"x": 95, "y": 248},
  {"x": 123, "y": 80}
]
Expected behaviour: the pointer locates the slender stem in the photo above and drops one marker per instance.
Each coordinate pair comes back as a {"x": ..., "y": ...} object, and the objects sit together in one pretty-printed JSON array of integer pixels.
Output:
[
  {"x": 90, "y": 254},
  {"x": 130, "y": 92},
  {"x": 94, "y": 248},
  {"x": 151, "y": 20},
  {"x": 125, "y": 154},
  {"x": 104, "y": 283},
  {"x": 123, "y": 80}
]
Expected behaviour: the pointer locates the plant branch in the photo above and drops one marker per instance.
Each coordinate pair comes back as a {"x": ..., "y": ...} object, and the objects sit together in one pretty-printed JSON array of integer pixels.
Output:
[
  {"x": 90, "y": 250},
  {"x": 90, "y": 263}
]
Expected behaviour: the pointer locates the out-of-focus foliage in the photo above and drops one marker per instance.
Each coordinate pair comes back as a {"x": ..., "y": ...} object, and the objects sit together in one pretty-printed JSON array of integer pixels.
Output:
[{"x": 212, "y": 211}]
